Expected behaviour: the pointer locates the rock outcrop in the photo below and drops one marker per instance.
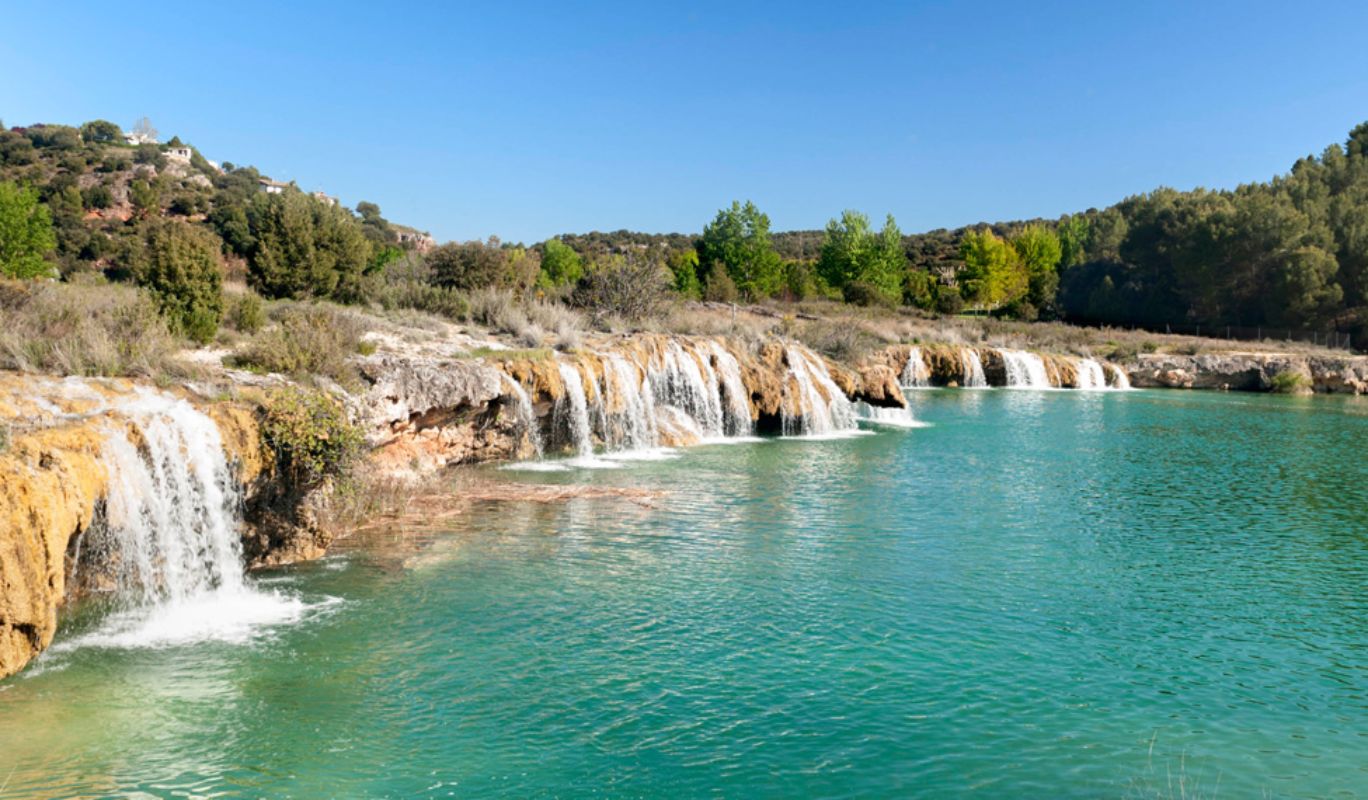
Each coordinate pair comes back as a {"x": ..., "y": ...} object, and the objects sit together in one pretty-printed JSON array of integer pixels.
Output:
[{"x": 1251, "y": 372}]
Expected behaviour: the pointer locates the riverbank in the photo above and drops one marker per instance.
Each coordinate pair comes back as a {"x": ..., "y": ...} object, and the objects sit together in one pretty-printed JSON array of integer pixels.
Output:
[{"x": 431, "y": 395}]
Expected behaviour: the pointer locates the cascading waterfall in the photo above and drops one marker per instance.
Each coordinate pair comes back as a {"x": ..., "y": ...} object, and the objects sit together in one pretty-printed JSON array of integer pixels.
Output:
[
  {"x": 169, "y": 540},
  {"x": 527, "y": 416},
  {"x": 572, "y": 411},
  {"x": 736, "y": 402},
  {"x": 1119, "y": 378},
  {"x": 973, "y": 369},
  {"x": 822, "y": 408},
  {"x": 915, "y": 373},
  {"x": 1025, "y": 370},
  {"x": 634, "y": 427},
  {"x": 171, "y": 514},
  {"x": 1091, "y": 375},
  {"x": 680, "y": 381}
]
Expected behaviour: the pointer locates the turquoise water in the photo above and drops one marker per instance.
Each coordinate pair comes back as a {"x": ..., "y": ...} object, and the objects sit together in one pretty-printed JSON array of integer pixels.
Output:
[{"x": 1042, "y": 595}]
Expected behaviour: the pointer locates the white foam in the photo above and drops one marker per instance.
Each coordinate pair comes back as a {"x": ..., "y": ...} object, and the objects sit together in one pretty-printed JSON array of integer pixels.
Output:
[{"x": 234, "y": 616}]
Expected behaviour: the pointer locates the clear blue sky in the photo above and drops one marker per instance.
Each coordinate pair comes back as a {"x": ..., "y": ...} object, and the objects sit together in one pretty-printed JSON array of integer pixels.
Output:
[{"x": 526, "y": 120}]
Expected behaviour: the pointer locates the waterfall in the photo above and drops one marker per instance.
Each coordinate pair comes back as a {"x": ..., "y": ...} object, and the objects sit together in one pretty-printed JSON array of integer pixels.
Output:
[
  {"x": 1025, "y": 370},
  {"x": 572, "y": 410},
  {"x": 681, "y": 382},
  {"x": 527, "y": 416},
  {"x": 171, "y": 513},
  {"x": 736, "y": 399},
  {"x": 915, "y": 373},
  {"x": 634, "y": 427},
  {"x": 1090, "y": 375},
  {"x": 821, "y": 407},
  {"x": 888, "y": 417},
  {"x": 1119, "y": 378},
  {"x": 973, "y": 369},
  {"x": 169, "y": 541}
]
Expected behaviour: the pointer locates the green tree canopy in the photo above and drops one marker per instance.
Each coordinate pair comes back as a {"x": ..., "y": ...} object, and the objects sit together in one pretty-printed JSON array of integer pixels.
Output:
[
  {"x": 993, "y": 273},
  {"x": 300, "y": 246},
  {"x": 1040, "y": 252},
  {"x": 739, "y": 239},
  {"x": 468, "y": 265},
  {"x": 560, "y": 264},
  {"x": 855, "y": 257},
  {"x": 181, "y": 268},
  {"x": 101, "y": 130},
  {"x": 26, "y": 233}
]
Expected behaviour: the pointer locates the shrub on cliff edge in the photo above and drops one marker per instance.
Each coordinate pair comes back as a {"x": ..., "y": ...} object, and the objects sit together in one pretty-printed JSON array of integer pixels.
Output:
[{"x": 311, "y": 437}]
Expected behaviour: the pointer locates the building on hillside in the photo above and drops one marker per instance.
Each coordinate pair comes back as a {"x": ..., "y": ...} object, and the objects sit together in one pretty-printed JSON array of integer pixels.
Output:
[
  {"x": 135, "y": 138},
  {"x": 325, "y": 197},
  {"x": 413, "y": 239},
  {"x": 178, "y": 154},
  {"x": 272, "y": 187}
]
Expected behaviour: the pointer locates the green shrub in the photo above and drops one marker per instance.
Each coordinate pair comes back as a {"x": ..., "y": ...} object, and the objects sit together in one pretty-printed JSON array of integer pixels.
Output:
[
  {"x": 861, "y": 293},
  {"x": 247, "y": 314},
  {"x": 311, "y": 437},
  {"x": 949, "y": 300},
  {"x": 720, "y": 288},
  {"x": 307, "y": 340},
  {"x": 449, "y": 303},
  {"x": 182, "y": 271},
  {"x": 1289, "y": 382}
]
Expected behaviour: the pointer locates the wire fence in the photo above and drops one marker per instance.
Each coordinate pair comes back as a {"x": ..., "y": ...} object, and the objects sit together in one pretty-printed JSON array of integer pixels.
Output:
[{"x": 1322, "y": 338}]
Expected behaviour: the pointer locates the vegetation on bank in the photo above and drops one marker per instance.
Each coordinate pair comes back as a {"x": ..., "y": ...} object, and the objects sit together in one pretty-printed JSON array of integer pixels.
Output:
[{"x": 122, "y": 254}]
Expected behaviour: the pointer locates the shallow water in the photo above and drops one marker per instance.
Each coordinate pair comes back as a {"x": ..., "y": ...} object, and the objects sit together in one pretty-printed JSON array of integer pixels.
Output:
[{"x": 1051, "y": 594}]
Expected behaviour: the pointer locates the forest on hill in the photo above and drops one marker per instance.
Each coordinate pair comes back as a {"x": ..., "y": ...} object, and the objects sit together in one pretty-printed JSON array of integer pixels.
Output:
[{"x": 95, "y": 203}]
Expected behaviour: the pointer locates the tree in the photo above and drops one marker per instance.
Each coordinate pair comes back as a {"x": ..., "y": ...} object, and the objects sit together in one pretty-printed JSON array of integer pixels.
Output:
[
  {"x": 719, "y": 287},
  {"x": 560, "y": 265},
  {"x": 684, "y": 265},
  {"x": 181, "y": 269},
  {"x": 301, "y": 246},
  {"x": 144, "y": 197},
  {"x": 1073, "y": 240},
  {"x": 630, "y": 286},
  {"x": 739, "y": 239},
  {"x": 144, "y": 130},
  {"x": 993, "y": 274},
  {"x": 26, "y": 233},
  {"x": 467, "y": 265},
  {"x": 102, "y": 131},
  {"x": 862, "y": 263},
  {"x": 1040, "y": 253}
]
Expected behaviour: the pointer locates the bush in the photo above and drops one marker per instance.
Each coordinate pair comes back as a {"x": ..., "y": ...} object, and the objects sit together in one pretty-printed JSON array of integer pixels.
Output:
[
  {"x": 307, "y": 341},
  {"x": 311, "y": 437},
  {"x": 949, "y": 301},
  {"x": 1289, "y": 382},
  {"x": 247, "y": 314},
  {"x": 468, "y": 265},
  {"x": 861, "y": 293},
  {"x": 98, "y": 330},
  {"x": 630, "y": 287},
  {"x": 182, "y": 271},
  {"x": 720, "y": 288},
  {"x": 448, "y": 303}
]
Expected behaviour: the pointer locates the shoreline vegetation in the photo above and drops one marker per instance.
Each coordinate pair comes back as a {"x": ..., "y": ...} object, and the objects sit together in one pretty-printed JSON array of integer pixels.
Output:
[{"x": 167, "y": 248}]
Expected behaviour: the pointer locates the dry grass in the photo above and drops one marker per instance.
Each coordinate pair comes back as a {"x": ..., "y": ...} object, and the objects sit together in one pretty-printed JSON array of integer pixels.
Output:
[
  {"x": 307, "y": 340},
  {"x": 838, "y": 328},
  {"x": 95, "y": 329},
  {"x": 528, "y": 321}
]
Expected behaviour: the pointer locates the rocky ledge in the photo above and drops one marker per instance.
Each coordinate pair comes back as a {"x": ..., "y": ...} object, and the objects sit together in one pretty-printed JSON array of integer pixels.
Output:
[{"x": 1252, "y": 372}]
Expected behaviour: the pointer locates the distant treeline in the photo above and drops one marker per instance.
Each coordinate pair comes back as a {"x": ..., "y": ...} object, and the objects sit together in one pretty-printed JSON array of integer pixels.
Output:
[{"x": 1289, "y": 253}]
